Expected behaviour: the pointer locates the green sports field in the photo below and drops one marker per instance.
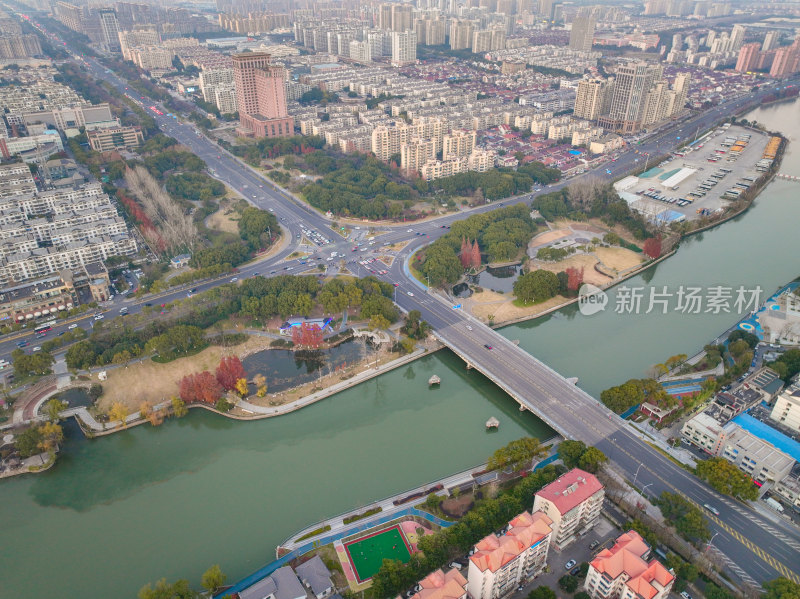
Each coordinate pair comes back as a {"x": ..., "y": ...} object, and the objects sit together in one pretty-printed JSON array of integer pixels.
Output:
[{"x": 367, "y": 554}]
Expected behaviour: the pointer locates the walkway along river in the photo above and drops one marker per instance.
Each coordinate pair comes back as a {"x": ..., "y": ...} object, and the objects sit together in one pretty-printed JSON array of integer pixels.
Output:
[{"x": 130, "y": 508}]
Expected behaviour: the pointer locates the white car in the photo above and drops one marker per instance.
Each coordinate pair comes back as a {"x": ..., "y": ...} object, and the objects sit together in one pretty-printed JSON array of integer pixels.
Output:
[
  {"x": 410, "y": 231},
  {"x": 72, "y": 326},
  {"x": 409, "y": 293},
  {"x": 469, "y": 328},
  {"x": 234, "y": 279},
  {"x": 37, "y": 348},
  {"x": 99, "y": 317}
]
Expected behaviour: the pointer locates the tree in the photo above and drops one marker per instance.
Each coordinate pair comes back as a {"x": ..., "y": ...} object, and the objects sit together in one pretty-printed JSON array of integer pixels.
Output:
[
  {"x": 52, "y": 435},
  {"x": 179, "y": 589},
  {"x": 414, "y": 327},
  {"x": 542, "y": 592},
  {"x": 37, "y": 363},
  {"x": 536, "y": 286},
  {"x": 570, "y": 452},
  {"x": 727, "y": 478},
  {"x": 229, "y": 371},
  {"x": 307, "y": 335},
  {"x": 95, "y": 391},
  {"x": 592, "y": 460},
  {"x": 475, "y": 255},
  {"x": 201, "y": 387},
  {"x": 213, "y": 579},
  {"x": 652, "y": 247},
  {"x": 260, "y": 381},
  {"x": 241, "y": 387},
  {"x": 568, "y": 583},
  {"x": 27, "y": 442},
  {"x": 644, "y": 531},
  {"x": 53, "y": 409},
  {"x": 687, "y": 519},
  {"x": 379, "y": 323},
  {"x": 179, "y": 409},
  {"x": 582, "y": 595},
  {"x": 574, "y": 278},
  {"x": 781, "y": 588},
  {"x": 712, "y": 591},
  {"x": 517, "y": 455},
  {"x": 118, "y": 412}
]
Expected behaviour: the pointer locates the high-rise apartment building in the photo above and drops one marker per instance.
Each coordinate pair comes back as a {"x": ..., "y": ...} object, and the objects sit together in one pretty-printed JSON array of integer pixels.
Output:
[
  {"x": 582, "y": 34},
  {"x": 415, "y": 153},
  {"x": 591, "y": 98},
  {"x": 632, "y": 83},
  {"x": 622, "y": 572},
  {"x": 109, "y": 28},
  {"x": 461, "y": 34},
  {"x": 500, "y": 563},
  {"x": 396, "y": 16},
  {"x": 748, "y": 57},
  {"x": 573, "y": 503},
  {"x": 737, "y": 37},
  {"x": 785, "y": 61},
  {"x": 404, "y": 48},
  {"x": 261, "y": 96},
  {"x": 458, "y": 144},
  {"x": 128, "y": 40},
  {"x": 770, "y": 41}
]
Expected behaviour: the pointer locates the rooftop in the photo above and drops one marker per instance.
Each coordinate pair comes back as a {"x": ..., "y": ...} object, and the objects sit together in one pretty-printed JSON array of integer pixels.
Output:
[
  {"x": 526, "y": 530},
  {"x": 441, "y": 585},
  {"x": 570, "y": 490},
  {"x": 627, "y": 557}
]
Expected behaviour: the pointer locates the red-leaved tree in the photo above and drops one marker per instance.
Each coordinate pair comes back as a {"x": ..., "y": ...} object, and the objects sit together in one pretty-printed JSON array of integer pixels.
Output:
[
  {"x": 229, "y": 371},
  {"x": 652, "y": 247},
  {"x": 465, "y": 254},
  {"x": 307, "y": 335},
  {"x": 574, "y": 278},
  {"x": 475, "y": 260},
  {"x": 200, "y": 387}
]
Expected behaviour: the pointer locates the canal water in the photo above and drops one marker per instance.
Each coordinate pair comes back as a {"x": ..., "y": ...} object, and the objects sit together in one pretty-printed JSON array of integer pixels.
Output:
[
  {"x": 759, "y": 248},
  {"x": 286, "y": 368},
  {"x": 123, "y": 510}
]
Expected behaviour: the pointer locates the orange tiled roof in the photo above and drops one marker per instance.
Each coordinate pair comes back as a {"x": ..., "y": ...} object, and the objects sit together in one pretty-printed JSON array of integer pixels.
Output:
[
  {"x": 627, "y": 557},
  {"x": 440, "y": 585},
  {"x": 493, "y": 552}
]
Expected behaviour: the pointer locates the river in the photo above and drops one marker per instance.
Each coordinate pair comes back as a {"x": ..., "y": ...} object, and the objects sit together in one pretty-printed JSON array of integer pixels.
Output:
[{"x": 123, "y": 510}]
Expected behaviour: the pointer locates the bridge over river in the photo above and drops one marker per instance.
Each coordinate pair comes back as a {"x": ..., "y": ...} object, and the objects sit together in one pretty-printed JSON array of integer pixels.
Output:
[{"x": 756, "y": 548}]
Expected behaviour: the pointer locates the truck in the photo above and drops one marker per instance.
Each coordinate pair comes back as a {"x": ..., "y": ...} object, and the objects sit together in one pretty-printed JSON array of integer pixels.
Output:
[{"x": 772, "y": 504}]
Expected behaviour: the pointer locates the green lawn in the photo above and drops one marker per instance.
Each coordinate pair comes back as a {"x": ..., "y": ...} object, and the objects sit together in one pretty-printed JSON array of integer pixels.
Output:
[{"x": 367, "y": 554}]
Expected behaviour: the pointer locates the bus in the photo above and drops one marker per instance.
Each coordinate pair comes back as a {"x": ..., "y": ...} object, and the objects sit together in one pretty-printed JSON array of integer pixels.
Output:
[{"x": 44, "y": 327}]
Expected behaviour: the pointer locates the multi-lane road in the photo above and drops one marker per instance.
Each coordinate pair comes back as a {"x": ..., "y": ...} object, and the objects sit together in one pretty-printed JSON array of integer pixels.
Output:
[{"x": 754, "y": 548}]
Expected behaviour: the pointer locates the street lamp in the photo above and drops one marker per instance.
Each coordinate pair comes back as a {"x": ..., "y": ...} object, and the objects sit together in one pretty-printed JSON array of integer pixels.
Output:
[
  {"x": 635, "y": 475},
  {"x": 643, "y": 489},
  {"x": 712, "y": 540}
]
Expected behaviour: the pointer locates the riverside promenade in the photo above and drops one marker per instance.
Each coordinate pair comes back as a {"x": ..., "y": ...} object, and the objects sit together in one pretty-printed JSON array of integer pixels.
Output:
[{"x": 390, "y": 511}]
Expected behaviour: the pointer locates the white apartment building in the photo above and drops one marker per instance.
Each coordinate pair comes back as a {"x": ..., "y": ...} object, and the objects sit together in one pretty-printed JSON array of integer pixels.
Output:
[
  {"x": 704, "y": 432},
  {"x": 622, "y": 572},
  {"x": 134, "y": 39},
  {"x": 573, "y": 503},
  {"x": 404, "y": 48},
  {"x": 415, "y": 153},
  {"x": 458, "y": 144},
  {"x": 499, "y": 564},
  {"x": 789, "y": 490},
  {"x": 758, "y": 458},
  {"x": 786, "y": 410}
]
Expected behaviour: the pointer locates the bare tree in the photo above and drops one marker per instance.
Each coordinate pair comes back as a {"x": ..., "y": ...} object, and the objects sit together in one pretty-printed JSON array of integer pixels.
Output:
[
  {"x": 582, "y": 193},
  {"x": 175, "y": 226}
]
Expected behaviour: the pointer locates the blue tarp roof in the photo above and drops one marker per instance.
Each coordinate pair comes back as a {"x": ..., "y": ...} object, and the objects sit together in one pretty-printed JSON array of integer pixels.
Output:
[{"x": 763, "y": 431}]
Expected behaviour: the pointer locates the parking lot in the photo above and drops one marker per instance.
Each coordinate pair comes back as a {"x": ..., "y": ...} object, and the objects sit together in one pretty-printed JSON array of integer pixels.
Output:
[{"x": 698, "y": 181}]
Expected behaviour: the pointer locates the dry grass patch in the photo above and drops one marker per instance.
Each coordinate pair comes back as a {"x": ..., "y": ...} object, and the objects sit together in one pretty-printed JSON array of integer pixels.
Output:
[
  {"x": 507, "y": 311},
  {"x": 151, "y": 382},
  {"x": 225, "y": 219},
  {"x": 549, "y": 237},
  {"x": 619, "y": 259},
  {"x": 584, "y": 261}
]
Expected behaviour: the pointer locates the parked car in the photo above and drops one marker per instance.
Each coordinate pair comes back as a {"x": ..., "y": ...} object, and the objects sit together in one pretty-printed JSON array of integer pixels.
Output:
[
  {"x": 594, "y": 545},
  {"x": 685, "y": 595},
  {"x": 72, "y": 326},
  {"x": 570, "y": 564},
  {"x": 575, "y": 571}
]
